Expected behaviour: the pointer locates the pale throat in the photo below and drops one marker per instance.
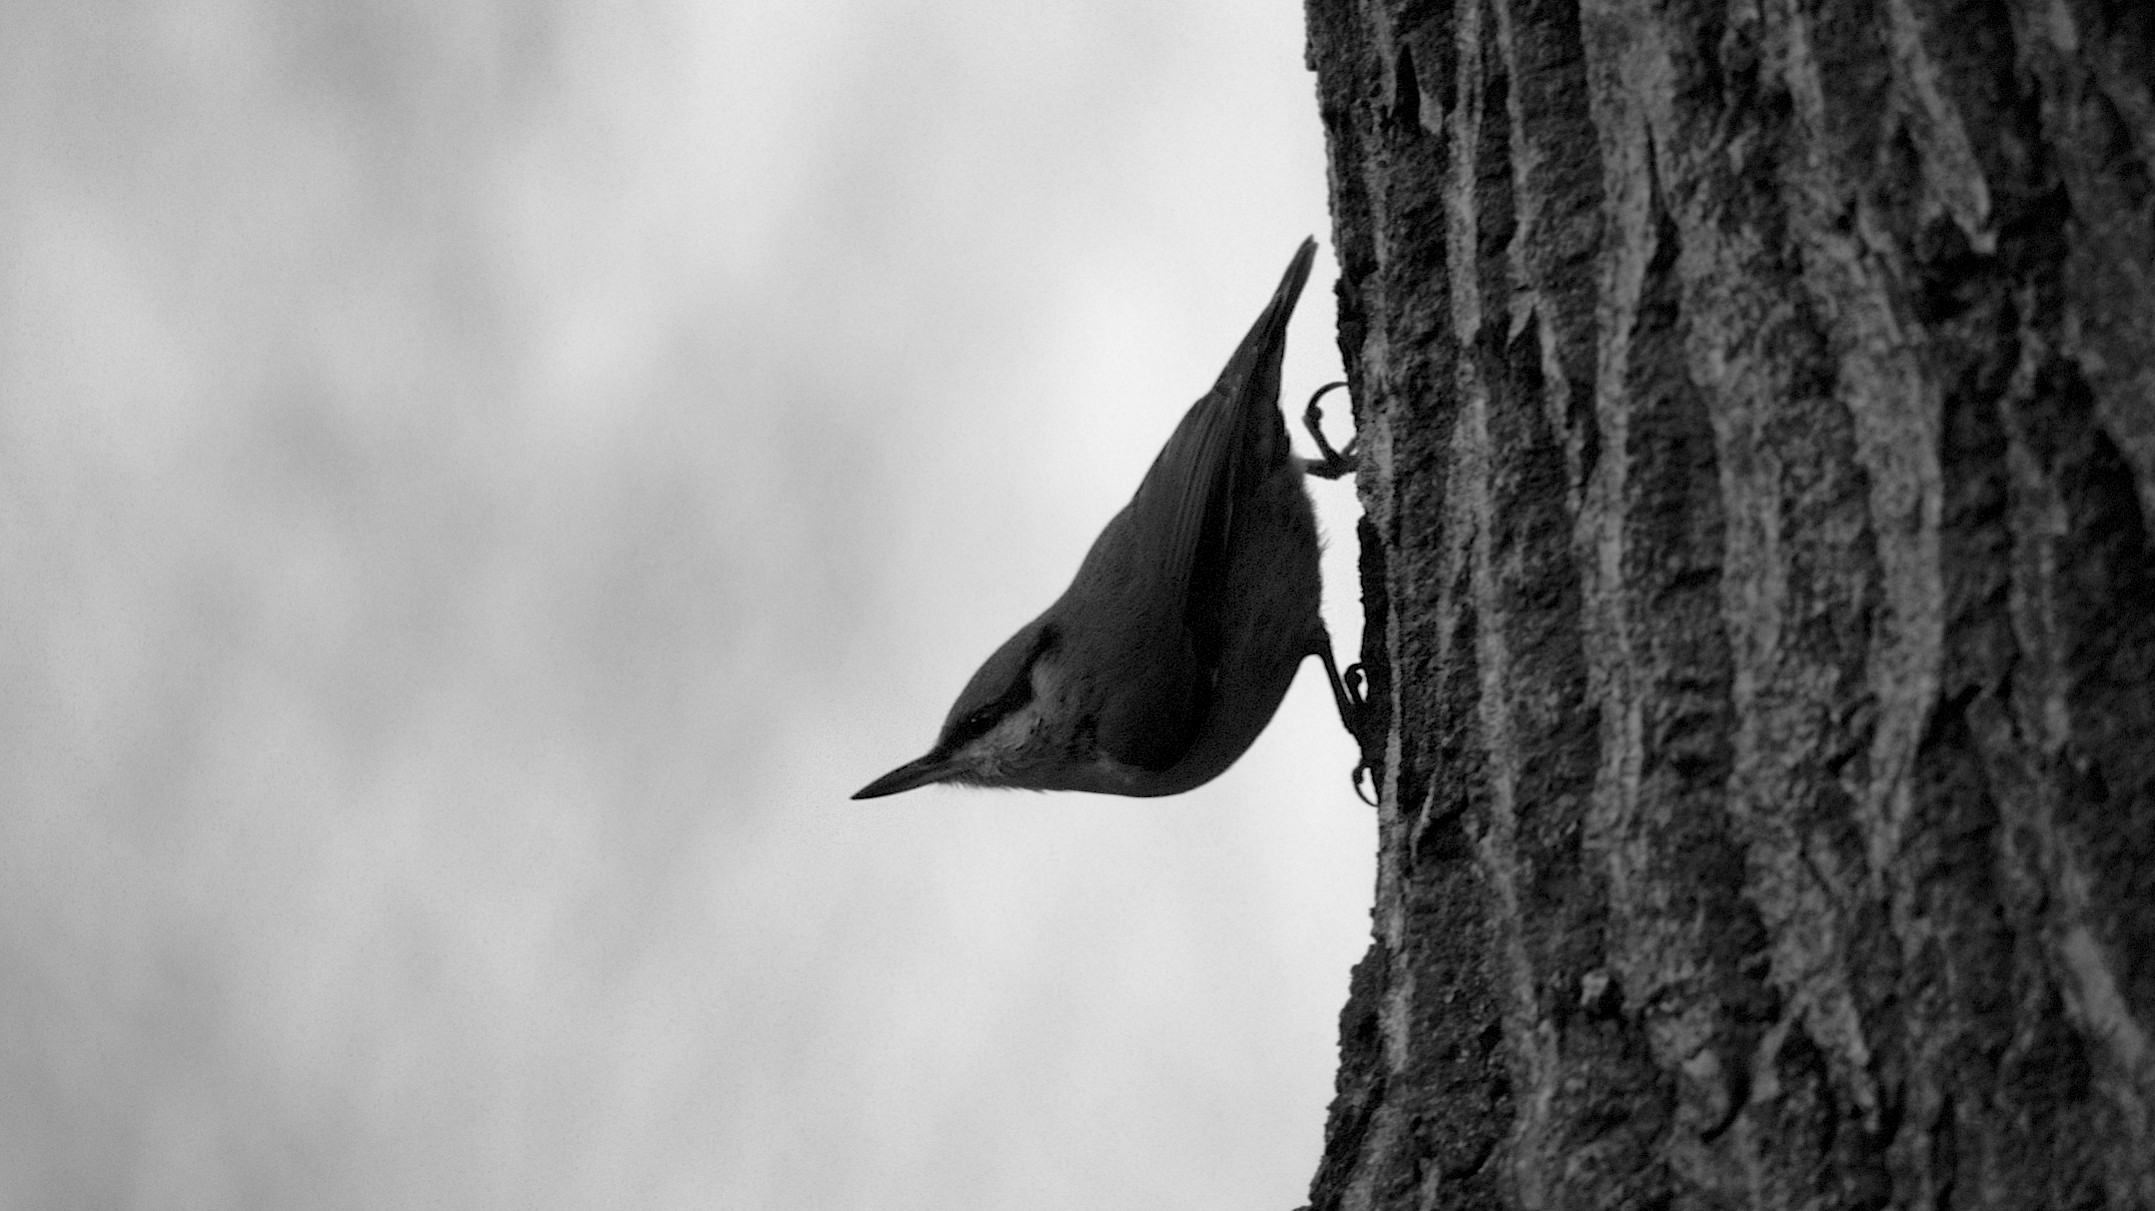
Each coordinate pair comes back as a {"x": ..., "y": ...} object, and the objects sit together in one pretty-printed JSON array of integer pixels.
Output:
[{"x": 1043, "y": 733}]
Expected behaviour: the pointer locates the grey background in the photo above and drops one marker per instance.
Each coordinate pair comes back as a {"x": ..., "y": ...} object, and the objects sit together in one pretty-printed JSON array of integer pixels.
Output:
[{"x": 479, "y": 486}]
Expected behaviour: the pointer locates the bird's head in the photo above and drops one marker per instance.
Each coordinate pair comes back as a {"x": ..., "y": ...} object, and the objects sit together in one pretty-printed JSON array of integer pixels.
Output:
[{"x": 1011, "y": 726}]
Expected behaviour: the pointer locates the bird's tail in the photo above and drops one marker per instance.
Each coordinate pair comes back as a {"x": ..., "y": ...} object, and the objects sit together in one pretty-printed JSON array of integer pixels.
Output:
[
  {"x": 1258, "y": 357},
  {"x": 1252, "y": 377}
]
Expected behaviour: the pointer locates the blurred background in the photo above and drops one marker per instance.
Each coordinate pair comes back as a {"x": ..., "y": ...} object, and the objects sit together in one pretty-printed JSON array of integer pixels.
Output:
[{"x": 481, "y": 483}]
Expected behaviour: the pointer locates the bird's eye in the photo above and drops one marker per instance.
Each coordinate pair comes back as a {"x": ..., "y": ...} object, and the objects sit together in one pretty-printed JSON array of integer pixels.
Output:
[{"x": 983, "y": 720}]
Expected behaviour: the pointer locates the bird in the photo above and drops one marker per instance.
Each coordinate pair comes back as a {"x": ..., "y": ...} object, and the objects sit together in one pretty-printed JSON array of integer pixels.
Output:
[{"x": 1178, "y": 637}]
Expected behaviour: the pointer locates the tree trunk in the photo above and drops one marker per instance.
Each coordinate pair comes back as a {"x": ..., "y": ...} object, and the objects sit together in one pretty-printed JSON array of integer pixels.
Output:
[{"x": 1757, "y": 406}]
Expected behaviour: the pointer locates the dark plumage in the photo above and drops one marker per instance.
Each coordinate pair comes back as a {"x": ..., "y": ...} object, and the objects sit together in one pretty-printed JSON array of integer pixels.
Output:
[{"x": 1175, "y": 642}]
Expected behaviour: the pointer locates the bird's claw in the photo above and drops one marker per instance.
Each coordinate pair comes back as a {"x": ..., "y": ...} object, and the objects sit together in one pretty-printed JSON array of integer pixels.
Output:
[
  {"x": 1335, "y": 463},
  {"x": 1351, "y": 695},
  {"x": 1369, "y": 796},
  {"x": 1353, "y": 681}
]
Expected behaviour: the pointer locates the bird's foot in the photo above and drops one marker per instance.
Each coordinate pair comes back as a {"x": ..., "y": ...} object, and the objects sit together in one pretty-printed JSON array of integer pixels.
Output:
[
  {"x": 1356, "y": 694},
  {"x": 1335, "y": 463},
  {"x": 1350, "y": 695}
]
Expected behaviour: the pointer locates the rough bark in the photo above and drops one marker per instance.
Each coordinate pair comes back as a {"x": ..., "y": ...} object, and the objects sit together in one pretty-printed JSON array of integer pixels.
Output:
[{"x": 1759, "y": 464}]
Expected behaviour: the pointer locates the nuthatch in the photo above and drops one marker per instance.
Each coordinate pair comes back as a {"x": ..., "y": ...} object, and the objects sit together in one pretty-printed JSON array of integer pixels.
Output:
[{"x": 1170, "y": 651}]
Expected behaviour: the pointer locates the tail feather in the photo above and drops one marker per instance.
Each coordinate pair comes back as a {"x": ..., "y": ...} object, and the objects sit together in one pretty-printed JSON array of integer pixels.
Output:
[{"x": 1256, "y": 363}]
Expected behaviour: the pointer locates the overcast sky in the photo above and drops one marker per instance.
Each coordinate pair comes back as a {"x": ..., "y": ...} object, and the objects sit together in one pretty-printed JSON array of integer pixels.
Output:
[{"x": 481, "y": 484}]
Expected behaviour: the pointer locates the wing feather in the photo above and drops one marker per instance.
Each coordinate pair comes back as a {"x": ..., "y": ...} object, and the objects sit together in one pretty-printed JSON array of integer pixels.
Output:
[
  {"x": 1180, "y": 530},
  {"x": 1228, "y": 439}
]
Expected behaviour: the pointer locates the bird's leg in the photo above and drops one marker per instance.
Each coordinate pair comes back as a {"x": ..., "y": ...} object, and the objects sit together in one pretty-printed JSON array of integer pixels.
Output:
[
  {"x": 1346, "y": 691},
  {"x": 1348, "y": 696},
  {"x": 1335, "y": 463}
]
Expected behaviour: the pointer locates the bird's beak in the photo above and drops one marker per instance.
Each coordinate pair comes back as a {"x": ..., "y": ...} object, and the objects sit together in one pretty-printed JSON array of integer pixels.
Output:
[{"x": 918, "y": 772}]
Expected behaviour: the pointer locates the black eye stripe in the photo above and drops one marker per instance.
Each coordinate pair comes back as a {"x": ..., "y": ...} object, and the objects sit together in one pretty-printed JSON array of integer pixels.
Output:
[{"x": 983, "y": 721}]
